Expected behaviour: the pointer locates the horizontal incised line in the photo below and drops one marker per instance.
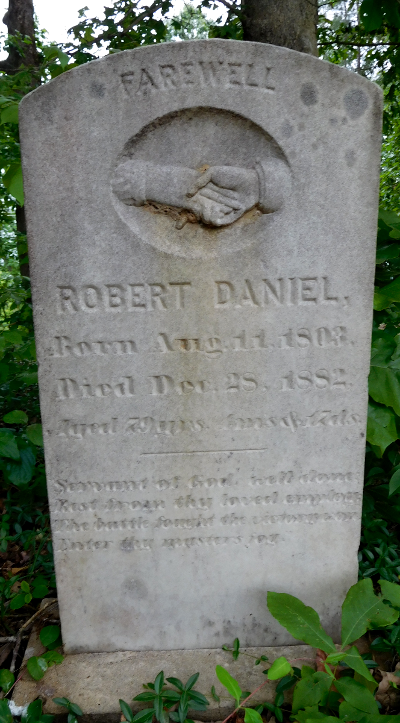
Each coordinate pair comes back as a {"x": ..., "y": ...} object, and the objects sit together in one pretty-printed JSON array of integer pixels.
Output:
[{"x": 205, "y": 451}]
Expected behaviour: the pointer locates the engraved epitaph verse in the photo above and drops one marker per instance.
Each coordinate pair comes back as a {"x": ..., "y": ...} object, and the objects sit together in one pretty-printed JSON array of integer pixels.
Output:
[{"x": 202, "y": 323}]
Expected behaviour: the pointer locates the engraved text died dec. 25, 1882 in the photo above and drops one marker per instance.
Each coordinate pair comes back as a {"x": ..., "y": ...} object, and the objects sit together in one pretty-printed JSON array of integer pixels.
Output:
[{"x": 202, "y": 256}]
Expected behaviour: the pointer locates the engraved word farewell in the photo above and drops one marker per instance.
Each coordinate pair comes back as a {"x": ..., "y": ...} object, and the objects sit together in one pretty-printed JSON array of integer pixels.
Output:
[{"x": 158, "y": 77}]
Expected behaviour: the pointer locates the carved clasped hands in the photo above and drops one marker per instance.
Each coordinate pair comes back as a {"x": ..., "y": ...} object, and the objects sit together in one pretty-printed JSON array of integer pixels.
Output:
[
  {"x": 217, "y": 196},
  {"x": 222, "y": 194}
]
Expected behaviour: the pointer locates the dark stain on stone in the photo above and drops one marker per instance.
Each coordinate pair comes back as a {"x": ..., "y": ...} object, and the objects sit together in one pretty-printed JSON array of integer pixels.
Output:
[
  {"x": 97, "y": 89},
  {"x": 136, "y": 588},
  {"x": 309, "y": 94},
  {"x": 355, "y": 103},
  {"x": 350, "y": 158},
  {"x": 287, "y": 129}
]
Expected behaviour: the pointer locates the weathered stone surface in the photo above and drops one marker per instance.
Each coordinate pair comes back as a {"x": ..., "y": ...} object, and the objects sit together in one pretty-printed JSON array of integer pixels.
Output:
[
  {"x": 96, "y": 681},
  {"x": 201, "y": 222}
]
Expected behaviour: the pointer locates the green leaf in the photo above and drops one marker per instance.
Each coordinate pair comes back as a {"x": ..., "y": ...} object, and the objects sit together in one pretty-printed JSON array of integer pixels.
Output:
[
  {"x": 384, "y": 253},
  {"x": 357, "y": 695},
  {"x": 52, "y": 51},
  {"x": 229, "y": 683},
  {"x": 35, "y": 434},
  {"x": 159, "y": 682},
  {"x": 13, "y": 337},
  {"x": 198, "y": 698},
  {"x": 371, "y": 15},
  {"x": 390, "y": 218},
  {"x": 7, "y": 679},
  {"x": 8, "y": 444},
  {"x": 382, "y": 350},
  {"x": 28, "y": 378},
  {"x": 192, "y": 681},
  {"x": 183, "y": 707},
  {"x": 61, "y": 701},
  {"x": 307, "y": 671},
  {"x": 236, "y": 649},
  {"x": 40, "y": 591},
  {"x": 5, "y": 714},
  {"x": 49, "y": 634},
  {"x": 24, "y": 586},
  {"x": 391, "y": 592},
  {"x": 15, "y": 417},
  {"x": 17, "y": 602},
  {"x": 52, "y": 657},
  {"x": 311, "y": 691},
  {"x": 145, "y": 697},
  {"x": 301, "y": 621},
  {"x": 311, "y": 713},
  {"x": 392, "y": 290},
  {"x": 159, "y": 709},
  {"x": 214, "y": 694},
  {"x": 381, "y": 427},
  {"x": 384, "y": 386},
  {"x": 10, "y": 114},
  {"x": 392, "y": 12},
  {"x": 380, "y": 301},
  {"x": 13, "y": 181},
  {"x": 63, "y": 58},
  {"x": 74, "y": 707},
  {"x": 4, "y": 372},
  {"x": 251, "y": 716},
  {"x": 20, "y": 473},
  {"x": 287, "y": 682},
  {"x": 34, "y": 711},
  {"x": 36, "y": 667},
  {"x": 354, "y": 660},
  {"x": 279, "y": 668},
  {"x": 363, "y": 609},
  {"x": 348, "y": 713},
  {"x": 127, "y": 711},
  {"x": 334, "y": 658},
  {"x": 394, "y": 483},
  {"x": 177, "y": 683}
]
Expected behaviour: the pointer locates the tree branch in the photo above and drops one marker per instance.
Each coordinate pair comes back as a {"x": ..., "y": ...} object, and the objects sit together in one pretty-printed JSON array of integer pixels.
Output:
[
  {"x": 231, "y": 6},
  {"x": 146, "y": 13},
  {"x": 137, "y": 19},
  {"x": 358, "y": 45}
]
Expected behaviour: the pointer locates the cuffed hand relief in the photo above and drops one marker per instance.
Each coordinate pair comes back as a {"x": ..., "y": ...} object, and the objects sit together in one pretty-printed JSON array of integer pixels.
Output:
[{"x": 217, "y": 197}]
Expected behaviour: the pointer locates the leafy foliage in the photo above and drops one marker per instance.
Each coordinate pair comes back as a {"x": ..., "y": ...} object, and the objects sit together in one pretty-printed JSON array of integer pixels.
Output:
[
  {"x": 345, "y": 689},
  {"x": 190, "y": 24},
  {"x": 73, "y": 709},
  {"x": 50, "y": 637},
  {"x": 166, "y": 703}
]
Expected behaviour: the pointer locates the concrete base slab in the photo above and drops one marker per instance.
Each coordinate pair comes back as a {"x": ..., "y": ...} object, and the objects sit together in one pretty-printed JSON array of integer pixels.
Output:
[{"x": 96, "y": 681}]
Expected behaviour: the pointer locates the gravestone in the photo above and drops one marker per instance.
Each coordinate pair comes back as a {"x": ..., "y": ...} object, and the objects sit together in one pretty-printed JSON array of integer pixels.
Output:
[{"x": 201, "y": 222}]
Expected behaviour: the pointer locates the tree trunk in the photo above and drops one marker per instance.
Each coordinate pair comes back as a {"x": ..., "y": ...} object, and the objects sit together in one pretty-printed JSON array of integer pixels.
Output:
[
  {"x": 291, "y": 23},
  {"x": 19, "y": 19}
]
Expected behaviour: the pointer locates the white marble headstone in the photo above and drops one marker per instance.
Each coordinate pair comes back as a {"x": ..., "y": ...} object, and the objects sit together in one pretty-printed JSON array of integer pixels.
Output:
[{"x": 202, "y": 222}]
